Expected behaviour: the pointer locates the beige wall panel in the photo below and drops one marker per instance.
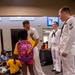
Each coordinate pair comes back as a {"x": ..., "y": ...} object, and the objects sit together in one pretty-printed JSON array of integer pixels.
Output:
[{"x": 34, "y": 7}]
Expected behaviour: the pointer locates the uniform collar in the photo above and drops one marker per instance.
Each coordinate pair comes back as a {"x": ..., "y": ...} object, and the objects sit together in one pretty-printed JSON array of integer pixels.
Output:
[{"x": 55, "y": 30}]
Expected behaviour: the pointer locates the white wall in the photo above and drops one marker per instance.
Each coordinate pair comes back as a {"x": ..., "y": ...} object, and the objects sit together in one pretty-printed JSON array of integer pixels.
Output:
[{"x": 6, "y": 25}]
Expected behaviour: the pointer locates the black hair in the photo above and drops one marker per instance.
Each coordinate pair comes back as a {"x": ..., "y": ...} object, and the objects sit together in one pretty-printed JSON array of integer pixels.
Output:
[
  {"x": 56, "y": 23},
  {"x": 25, "y": 22},
  {"x": 3, "y": 53},
  {"x": 22, "y": 34},
  {"x": 65, "y": 9},
  {"x": 46, "y": 42},
  {"x": 14, "y": 58}
]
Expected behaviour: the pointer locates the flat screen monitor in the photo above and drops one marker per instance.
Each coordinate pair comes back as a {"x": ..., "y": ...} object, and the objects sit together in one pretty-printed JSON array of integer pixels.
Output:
[{"x": 50, "y": 20}]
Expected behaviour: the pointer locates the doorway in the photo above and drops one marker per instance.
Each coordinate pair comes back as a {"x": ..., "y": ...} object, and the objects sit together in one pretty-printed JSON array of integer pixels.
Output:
[
  {"x": 1, "y": 41},
  {"x": 14, "y": 37},
  {"x": 46, "y": 32}
]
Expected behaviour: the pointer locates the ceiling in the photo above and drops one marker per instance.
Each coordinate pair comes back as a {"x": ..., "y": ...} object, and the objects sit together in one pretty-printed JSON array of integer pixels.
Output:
[
  {"x": 34, "y": 7},
  {"x": 37, "y": 3}
]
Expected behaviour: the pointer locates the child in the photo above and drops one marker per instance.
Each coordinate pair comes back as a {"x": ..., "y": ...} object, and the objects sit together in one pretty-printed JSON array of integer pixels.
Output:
[
  {"x": 43, "y": 46},
  {"x": 3, "y": 56},
  {"x": 14, "y": 65},
  {"x": 24, "y": 50},
  {"x": 3, "y": 70}
]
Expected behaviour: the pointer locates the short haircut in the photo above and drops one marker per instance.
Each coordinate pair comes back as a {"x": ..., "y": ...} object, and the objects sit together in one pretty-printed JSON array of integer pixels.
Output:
[
  {"x": 22, "y": 34},
  {"x": 56, "y": 23},
  {"x": 25, "y": 22},
  {"x": 65, "y": 9},
  {"x": 3, "y": 52}
]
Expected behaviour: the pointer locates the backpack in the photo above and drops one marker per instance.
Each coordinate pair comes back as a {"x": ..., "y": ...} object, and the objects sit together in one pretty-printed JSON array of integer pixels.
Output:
[{"x": 25, "y": 51}]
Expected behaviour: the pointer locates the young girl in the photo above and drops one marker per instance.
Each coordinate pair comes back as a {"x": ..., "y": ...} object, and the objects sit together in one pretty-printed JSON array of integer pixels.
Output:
[
  {"x": 24, "y": 50},
  {"x": 14, "y": 65}
]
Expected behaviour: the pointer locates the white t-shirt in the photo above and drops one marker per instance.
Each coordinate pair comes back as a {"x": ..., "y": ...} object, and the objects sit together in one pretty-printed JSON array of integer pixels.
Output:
[{"x": 33, "y": 30}]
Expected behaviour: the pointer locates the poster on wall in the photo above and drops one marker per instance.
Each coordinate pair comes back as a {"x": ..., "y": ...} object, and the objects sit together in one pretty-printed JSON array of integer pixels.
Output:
[
  {"x": 21, "y": 18},
  {"x": 50, "y": 20}
]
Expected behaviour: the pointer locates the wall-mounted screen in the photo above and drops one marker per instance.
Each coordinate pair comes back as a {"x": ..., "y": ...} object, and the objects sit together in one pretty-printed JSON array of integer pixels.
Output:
[{"x": 50, "y": 20}]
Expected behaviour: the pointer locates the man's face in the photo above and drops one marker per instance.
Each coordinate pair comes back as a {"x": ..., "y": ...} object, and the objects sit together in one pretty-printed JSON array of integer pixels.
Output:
[
  {"x": 62, "y": 16},
  {"x": 54, "y": 25},
  {"x": 26, "y": 26}
]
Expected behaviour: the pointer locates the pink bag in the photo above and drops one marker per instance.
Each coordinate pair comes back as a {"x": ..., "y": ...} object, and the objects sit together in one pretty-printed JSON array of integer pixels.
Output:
[{"x": 25, "y": 51}]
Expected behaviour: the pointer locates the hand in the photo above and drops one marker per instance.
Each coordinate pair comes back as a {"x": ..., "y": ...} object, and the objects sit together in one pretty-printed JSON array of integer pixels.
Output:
[
  {"x": 64, "y": 54},
  {"x": 31, "y": 34}
]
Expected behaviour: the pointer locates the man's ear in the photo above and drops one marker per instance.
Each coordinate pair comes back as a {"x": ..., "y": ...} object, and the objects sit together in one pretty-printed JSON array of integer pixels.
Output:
[{"x": 23, "y": 25}]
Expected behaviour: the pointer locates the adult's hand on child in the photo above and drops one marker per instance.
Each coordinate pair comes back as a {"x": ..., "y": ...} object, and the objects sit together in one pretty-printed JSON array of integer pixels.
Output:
[{"x": 31, "y": 34}]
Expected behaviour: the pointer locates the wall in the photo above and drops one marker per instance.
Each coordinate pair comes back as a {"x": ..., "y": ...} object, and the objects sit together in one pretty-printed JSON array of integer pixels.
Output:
[
  {"x": 6, "y": 25},
  {"x": 34, "y": 7},
  {"x": 29, "y": 8}
]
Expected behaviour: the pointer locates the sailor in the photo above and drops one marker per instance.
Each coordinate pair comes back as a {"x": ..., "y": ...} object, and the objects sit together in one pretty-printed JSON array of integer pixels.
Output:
[
  {"x": 53, "y": 43},
  {"x": 67, "y": 41}
]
